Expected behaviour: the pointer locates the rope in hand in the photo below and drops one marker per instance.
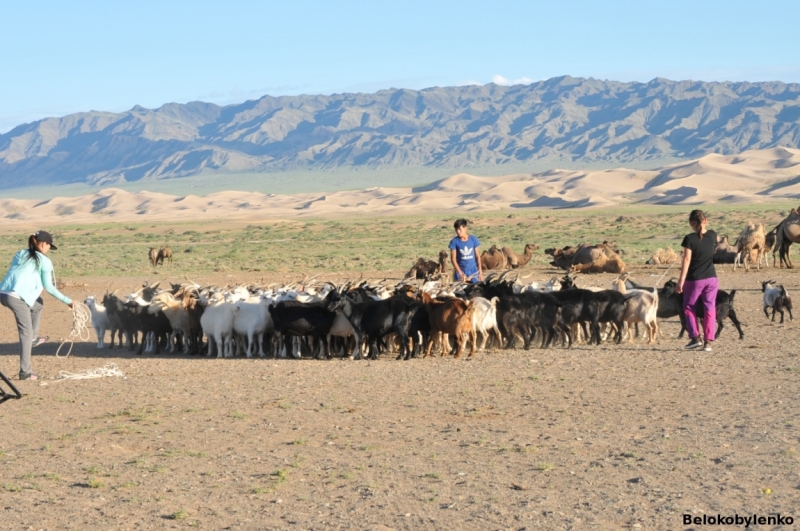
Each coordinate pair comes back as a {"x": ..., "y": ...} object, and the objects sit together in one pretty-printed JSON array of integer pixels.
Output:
[
  {"x": 667, "y": 271},
  {"x": 80, "y": 328},
  {"x": 109, "y": 370}
]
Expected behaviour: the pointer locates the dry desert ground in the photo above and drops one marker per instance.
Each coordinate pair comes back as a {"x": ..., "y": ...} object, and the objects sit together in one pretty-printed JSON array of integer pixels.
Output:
[{"x": 618, "y": 436}]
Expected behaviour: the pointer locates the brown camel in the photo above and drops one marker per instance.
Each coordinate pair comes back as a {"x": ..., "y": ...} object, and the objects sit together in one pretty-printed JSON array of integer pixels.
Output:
[
  {"x": 493, "y": 259},
  {"x": 514, "y": 260}
]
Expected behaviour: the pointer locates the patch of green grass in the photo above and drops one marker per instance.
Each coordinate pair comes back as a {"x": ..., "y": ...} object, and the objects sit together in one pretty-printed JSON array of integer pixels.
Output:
[
  {"x": 95, "y": 483},
  {"x": 10, "y": 487},
  {"x": 544, "y": 466},
  {"x": 238, "y": 415},
  {"x": 432, "y": 475},
  {"x": 351, "y": 245},
  {"x": 299, "y": 442},
  {"x": 280, "y": 476},
  {"x": 189, "y": 453},
  {"x": 93, "y": 470},
  {"x": 526, "y": 449},
  {"x": 178, "y": 515}
]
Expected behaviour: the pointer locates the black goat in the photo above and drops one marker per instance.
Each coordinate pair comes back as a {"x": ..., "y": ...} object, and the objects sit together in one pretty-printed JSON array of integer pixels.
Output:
[
  {"x": 579, "y": 306},
  {"x": 525, "y": 313},
  {"x": 122, "y": 321},
  {"x": 670, "y": 304},
  {"x": 372, "y": 320},
  {"x": 724, "y": 309},
  {"x": 294, "y": 318}
]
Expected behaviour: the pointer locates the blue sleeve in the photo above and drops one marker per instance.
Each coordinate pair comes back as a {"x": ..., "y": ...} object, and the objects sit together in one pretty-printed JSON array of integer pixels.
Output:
[
  {"x": 475, "y": 241},
  {"x": 46, "y": 270},
  {"x": 453, "y": 244}
]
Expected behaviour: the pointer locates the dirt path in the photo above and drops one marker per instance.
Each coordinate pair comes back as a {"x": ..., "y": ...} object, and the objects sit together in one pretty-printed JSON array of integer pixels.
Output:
[{"x": 586, "y": 438}]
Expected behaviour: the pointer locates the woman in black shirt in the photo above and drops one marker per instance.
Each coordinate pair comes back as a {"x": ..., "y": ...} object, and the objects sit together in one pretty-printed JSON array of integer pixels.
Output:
[{"x": 698, "y": 280}]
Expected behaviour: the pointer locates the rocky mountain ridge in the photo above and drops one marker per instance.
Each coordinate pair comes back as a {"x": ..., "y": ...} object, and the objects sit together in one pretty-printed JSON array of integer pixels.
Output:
[{"x": 558, "y": 119}]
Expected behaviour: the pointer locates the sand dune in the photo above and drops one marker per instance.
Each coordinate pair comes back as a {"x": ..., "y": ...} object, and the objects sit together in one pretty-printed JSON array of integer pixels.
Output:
[{"x": 750, "y": 177}]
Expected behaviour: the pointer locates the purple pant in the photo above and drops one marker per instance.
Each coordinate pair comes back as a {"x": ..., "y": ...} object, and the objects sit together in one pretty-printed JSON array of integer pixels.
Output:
[{"x": 701, "y": 292}]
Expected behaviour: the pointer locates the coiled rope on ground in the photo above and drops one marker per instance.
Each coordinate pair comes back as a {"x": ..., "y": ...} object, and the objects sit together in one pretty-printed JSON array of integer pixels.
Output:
[
  {"x": 101, "y": 372},
  {"x": 81, "y": 316}
]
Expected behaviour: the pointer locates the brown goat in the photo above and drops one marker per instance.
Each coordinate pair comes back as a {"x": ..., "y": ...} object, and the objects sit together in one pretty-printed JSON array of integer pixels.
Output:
[
  {"x": 494, "y": 258},
  {"x": 516, "y": 261},
  {"x": 452, "y": 316},
  {"x": 164, "y": 252}
]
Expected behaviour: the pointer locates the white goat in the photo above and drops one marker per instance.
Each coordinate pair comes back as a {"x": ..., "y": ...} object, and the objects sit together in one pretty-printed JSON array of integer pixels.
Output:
[
  {"x": 250, "y": 321},
  {"x": 99, "y": 319},
  {"x": 217, "y": 323},
  {"x": 484, "y": 319},
  {"x": 641, "y": 306},
  {"x": 341, "y": 327},
  {"x": 777, "y": 298}
]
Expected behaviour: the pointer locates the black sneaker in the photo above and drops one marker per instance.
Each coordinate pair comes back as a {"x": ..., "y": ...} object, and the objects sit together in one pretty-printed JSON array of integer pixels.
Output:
[
  {"x": 29, "y": 376},
  {"x": 694, "y": 343},
  {"x": 707, "y": 346}
]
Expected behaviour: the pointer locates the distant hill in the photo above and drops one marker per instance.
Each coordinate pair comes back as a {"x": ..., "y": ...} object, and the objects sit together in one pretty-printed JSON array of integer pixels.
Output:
[{"x": 561, "y": 119}]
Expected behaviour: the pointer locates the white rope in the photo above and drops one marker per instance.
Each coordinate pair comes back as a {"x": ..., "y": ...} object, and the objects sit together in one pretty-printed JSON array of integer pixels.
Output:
[
  {"x": 80, "y": 327},
  {"x": 101, "y": 372},
  {"x": 667, "y": 271}
]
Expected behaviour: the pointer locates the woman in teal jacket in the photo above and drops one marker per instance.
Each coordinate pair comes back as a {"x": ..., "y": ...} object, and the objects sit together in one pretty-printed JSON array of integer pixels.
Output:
[{"x": 30, "y": 272}]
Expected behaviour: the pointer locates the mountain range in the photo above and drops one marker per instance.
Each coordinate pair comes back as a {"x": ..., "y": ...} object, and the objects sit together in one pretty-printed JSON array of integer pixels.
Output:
[{"x": 560, "y": 119}]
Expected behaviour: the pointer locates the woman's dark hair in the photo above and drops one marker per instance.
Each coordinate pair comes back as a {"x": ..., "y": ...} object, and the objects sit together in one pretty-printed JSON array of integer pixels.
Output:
[
  {"x": 32, "y": 251},
  {"x": 696, "y": 218},
  {"x": 460, "y": 223}
]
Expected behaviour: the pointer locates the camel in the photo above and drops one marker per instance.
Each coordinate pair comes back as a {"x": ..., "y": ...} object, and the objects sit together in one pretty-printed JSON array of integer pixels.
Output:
[
  {"x": 423, "y": 269},
  {"x": 152, "y": 255},
  {"x": 769, "y": 245},
  {"x": 562, "y": 258},
  {"x": 597, "y": 259},
  {"x": 725, "y": 253},
  {"x": 164, "y": 252},
  {"x": 787, "y": 233},
  {"x": 516, "y": 261},
  {"x": 663, "y": 257},
  {"x": 493, "y": 259},
  {"x": 751, "y": 244},
  {"x": 587, "y": 258}
]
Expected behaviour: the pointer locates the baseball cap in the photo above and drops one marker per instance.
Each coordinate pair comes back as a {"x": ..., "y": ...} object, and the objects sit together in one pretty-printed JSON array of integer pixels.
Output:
[{"x": 44, "y": 236}]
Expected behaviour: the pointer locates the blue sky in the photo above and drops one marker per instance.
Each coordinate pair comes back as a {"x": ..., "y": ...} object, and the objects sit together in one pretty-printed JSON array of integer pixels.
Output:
[{"x": 64, "y": 57}]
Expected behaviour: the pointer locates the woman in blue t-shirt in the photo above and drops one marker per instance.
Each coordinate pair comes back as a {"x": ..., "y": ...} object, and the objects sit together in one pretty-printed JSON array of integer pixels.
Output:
[{"x": 464, "y": 254}]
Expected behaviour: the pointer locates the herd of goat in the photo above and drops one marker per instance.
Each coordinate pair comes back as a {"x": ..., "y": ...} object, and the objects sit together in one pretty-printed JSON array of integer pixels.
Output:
[
  {"x": 422, "y": 310},
  {"x": 325, "y": 319}
]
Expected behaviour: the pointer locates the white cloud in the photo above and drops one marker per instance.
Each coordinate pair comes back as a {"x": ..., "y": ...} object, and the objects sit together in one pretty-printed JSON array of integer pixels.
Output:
[{"x": 501, "y": 80}]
